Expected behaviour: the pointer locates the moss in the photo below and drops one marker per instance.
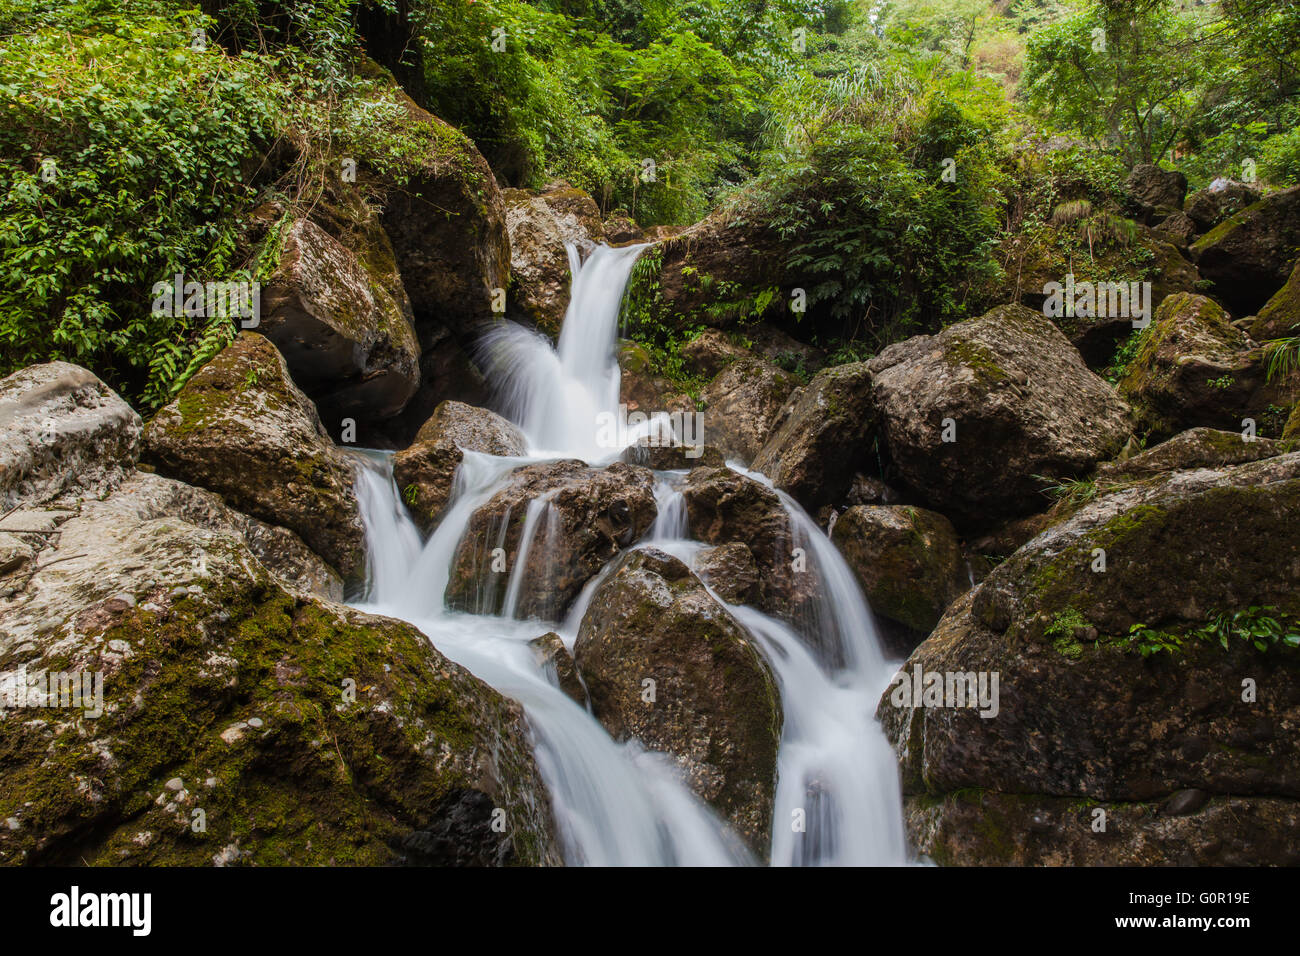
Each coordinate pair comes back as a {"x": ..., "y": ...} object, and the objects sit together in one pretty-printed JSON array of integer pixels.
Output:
[{"x": 979, "y": 359}]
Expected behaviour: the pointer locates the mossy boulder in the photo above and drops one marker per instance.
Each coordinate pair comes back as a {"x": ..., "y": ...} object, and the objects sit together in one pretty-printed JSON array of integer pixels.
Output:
[
  {"x": 1249, "y": 255},
  {"x": 341, "y": 318},
  {"x": 63, "y": 433},
  {"x": 1194, "y": 368},
  {"x": 1194, "y": 448},
  {"x": 1208, "y": 207},
  {"x": 242, "y": 723},
  {"x": 241, "y": 428},
  {"x": 742, "y": 404},
  {"x": 908, "y": 561},
  {"x": 1280, "y": 316},
  {"x": 714, "y": 706},
  {"x": 1082, "y": 712},
  {"x": 541, "y": 224},
  {"x": 553, "y": 527},
  {"x": 974, "y": 415},
  {"x": 820, "y": 438},
  {"x": 426, "y": 471}
]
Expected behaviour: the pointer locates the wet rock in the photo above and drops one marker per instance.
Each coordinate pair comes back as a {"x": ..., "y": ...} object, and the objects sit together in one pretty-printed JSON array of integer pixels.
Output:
[
  {"x": 731, "y": 571},
  {"x": 742, "y": 405},
  {"x": 582, "y": 517},
  {"x": 241, "y": 428},
  {"x": 340, "y": 317},
  {"x": 820, "y": 438},
  {"x": 710, "y": 352},
  {"x": 714, "y": 703},
  {"x": 908, "y": 561},
  {"x": 556, "y": 660},
  {"x": 426, "y": 472},
  {"x": 63, "y": 432},
  {"x": 1178, "y": 230},
  {"x": 620, "y": 228},
  {"x": 1015, "y": 399}
]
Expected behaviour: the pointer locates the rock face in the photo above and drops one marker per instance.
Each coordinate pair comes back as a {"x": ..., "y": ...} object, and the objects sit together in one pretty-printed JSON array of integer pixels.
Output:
[
  {"x": 581, "y": 518},
  {"x": 710, "y": 352},
  {"x": 1016, "y": 399},
  {"x": 723, "y": 506},
  {"x": 210, "y": 686},
  {"x": 741, "y": 406},
  {"x": 426, "y": 472},
  {"x": 908, "y": 561},
  {"x": 540, "y": 224},
  {"x": 1082, "y": 715},
  {"x": 1208, "y": 207},
  {"x": 820, "y": 438},
  {"x": 62, "y": 431},
  {"x": 715, "y": 704},
  {"x": 1155, "y": 193},
  {"x": 241, "y": 428},
  {"x": 1194, "y": 368},
  {"x": 342, "y": 321},
  {"x": 1250, "y": 254},
  {"x": 1280, "y": 316}
]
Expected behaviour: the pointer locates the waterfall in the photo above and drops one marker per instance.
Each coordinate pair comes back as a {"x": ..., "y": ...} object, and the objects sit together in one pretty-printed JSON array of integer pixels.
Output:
[{"x": 837, "y": 799}]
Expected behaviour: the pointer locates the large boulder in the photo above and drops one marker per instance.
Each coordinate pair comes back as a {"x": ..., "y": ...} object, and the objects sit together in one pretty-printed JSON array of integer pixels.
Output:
[
  {"x": 1280, "y": 316},
  {"x": 1208, "y": 207},
  {"x": 820, "y": 439},
  {"x": 1250, "y": 254},
  {"x": 447, "y": 224},
  {"x": 1110, "y": 691},
  {"x": 974, "y": 415},
  {"x": 538, "y": 540},
  {"x": 340, "y": 316},
  {"x": 908, "y": 561},
  {"x": 241, "y": 428},
  {"x": 713, "y": 702},
  {"x": 541, "y": 224},
  {"x": 232, "y": 721},
  {"x": 742, "y": 404},
  {"x": 62, "y": 432},
  {"x": 1194, "y": 368},
  {"x": 426, "y": 472},
  {"x": 1155, "y": 193}
]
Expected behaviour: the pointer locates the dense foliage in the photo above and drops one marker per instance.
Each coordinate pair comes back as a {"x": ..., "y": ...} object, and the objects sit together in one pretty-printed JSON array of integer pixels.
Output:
[{"x": 893, "y": 147}]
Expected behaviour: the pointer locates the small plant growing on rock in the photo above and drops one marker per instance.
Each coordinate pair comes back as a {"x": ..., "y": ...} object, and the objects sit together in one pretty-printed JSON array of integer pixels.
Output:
[{"x": 1264, "y": 627}]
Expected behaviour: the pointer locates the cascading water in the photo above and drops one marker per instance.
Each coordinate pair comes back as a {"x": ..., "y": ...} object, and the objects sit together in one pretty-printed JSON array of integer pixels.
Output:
[{"x": 617, "y": 804}]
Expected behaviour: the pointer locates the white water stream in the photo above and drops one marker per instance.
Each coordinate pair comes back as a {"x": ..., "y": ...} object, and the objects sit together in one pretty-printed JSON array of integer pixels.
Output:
[{"x": 618, "y": 804}]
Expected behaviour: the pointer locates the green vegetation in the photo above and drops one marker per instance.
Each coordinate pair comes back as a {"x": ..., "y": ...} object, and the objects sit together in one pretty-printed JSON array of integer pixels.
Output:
[{"x": 896, "y": 154}]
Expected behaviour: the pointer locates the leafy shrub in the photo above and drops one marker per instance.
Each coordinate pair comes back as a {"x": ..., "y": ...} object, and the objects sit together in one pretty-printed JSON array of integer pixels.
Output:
[{"x": 148, "y": 140}]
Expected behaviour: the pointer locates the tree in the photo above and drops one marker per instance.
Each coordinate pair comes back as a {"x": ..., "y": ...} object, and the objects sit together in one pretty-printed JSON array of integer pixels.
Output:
[{"x": 1129, "y": 75}]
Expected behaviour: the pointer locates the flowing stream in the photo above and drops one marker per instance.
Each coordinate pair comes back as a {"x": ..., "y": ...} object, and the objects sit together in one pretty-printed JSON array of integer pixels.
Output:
[{"x": 837, "y": 801}]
